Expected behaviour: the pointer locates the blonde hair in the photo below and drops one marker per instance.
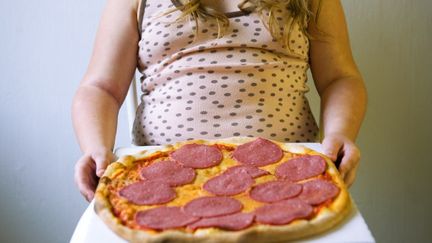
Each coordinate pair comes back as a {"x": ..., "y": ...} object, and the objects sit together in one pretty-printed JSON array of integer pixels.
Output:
[{"x": 194, "y": 10}]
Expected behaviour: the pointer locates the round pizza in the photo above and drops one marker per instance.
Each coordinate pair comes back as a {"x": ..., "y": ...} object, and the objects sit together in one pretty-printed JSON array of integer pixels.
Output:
[{"x": 229, "y": 190}]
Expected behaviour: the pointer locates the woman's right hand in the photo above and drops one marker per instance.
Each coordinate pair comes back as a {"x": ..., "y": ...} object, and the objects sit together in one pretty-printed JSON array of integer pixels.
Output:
[
  {"x": 89, "y": 168},
  {"x": 103, "y": 89}
]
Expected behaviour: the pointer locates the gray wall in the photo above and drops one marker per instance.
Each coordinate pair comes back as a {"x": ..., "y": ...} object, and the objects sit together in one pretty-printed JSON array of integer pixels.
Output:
[{"x": 45, "y": 47}]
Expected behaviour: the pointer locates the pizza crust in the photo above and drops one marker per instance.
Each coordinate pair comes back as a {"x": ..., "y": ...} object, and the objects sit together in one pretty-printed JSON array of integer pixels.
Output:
[{"x": 326, "y": 218}]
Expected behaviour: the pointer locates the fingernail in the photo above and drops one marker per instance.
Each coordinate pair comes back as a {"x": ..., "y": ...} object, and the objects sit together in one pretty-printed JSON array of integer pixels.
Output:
[{"x": 90, "y": 196}]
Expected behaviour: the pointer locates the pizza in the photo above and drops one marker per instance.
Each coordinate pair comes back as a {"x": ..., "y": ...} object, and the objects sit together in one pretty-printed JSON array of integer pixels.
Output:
[{"x": 230, "y": 190}]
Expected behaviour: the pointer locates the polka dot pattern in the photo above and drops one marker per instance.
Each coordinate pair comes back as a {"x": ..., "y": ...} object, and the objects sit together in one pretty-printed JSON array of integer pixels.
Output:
[{"x": 243, "y": 84}]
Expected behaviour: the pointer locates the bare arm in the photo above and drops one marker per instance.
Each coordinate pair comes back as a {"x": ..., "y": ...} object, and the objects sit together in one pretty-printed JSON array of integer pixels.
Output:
[
  {"x": 340, "y": 85},
  {"x": 102, "y": 91}
]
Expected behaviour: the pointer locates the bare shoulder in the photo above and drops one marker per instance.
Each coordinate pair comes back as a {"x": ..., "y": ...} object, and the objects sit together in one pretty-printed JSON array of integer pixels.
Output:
[{"x": 328, "y": 15}]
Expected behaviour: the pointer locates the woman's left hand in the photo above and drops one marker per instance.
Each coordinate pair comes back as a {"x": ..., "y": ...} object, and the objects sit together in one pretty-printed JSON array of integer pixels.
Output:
[{"x": 343, "y": 151}]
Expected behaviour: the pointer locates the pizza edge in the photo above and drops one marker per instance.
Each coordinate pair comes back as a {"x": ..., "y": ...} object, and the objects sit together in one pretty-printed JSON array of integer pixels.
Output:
[{"x": 328, "y": 217}]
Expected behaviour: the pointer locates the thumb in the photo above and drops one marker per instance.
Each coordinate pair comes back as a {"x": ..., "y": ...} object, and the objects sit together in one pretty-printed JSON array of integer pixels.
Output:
[
  {"x": 102, "y": 161},
  {"x": 331, "y": 147}
]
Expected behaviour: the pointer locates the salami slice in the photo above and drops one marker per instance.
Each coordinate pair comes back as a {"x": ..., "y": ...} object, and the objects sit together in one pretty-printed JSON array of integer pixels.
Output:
[
  {"x": 148, "y": 192},
  {"x": 228, "y": 184},
  {"x": 169, "y": 172},
  {"x": 283, "y": 212},
  {"x": 212, "y": 206},
  {"x": 259, "y": 152},
  {"x": 301, "y": 168},
  {"x": 163, "y": 218},
  {"x": 274, "y": 191},
  {"x": 251, "y": 170},
  {"x": 318, "y": 191},
  {"x": 198, "y": 155},
  {"x": 236, "y": 221}
]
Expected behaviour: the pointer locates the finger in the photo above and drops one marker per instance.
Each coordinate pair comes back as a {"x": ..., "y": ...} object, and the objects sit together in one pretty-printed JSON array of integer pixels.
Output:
[
  {"x": 84, "y": 179},
  {"x": 86, "y": 189},
  {"x": 86, "y": 186},
  {"x": 331, "y": 147},
  {"x": 349, "y": 160},
  {"x": 349, "y": 179},
  {"x": 102, "y": 160}
]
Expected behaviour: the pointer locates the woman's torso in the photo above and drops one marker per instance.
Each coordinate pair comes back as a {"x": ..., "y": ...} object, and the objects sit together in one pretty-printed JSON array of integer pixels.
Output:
[{"x": 243, "y": 84}]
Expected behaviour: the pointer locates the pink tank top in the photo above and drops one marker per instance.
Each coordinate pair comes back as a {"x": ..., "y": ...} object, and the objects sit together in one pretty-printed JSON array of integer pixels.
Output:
[{"x": 243, "y": 84}]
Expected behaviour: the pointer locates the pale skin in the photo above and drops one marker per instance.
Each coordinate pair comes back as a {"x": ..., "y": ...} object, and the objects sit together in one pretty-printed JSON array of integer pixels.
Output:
[{"x": 113, "y": 62}]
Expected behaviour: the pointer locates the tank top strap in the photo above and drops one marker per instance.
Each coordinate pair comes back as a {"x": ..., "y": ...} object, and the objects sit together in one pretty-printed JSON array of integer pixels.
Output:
[{"x": 141, "y": 10}]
